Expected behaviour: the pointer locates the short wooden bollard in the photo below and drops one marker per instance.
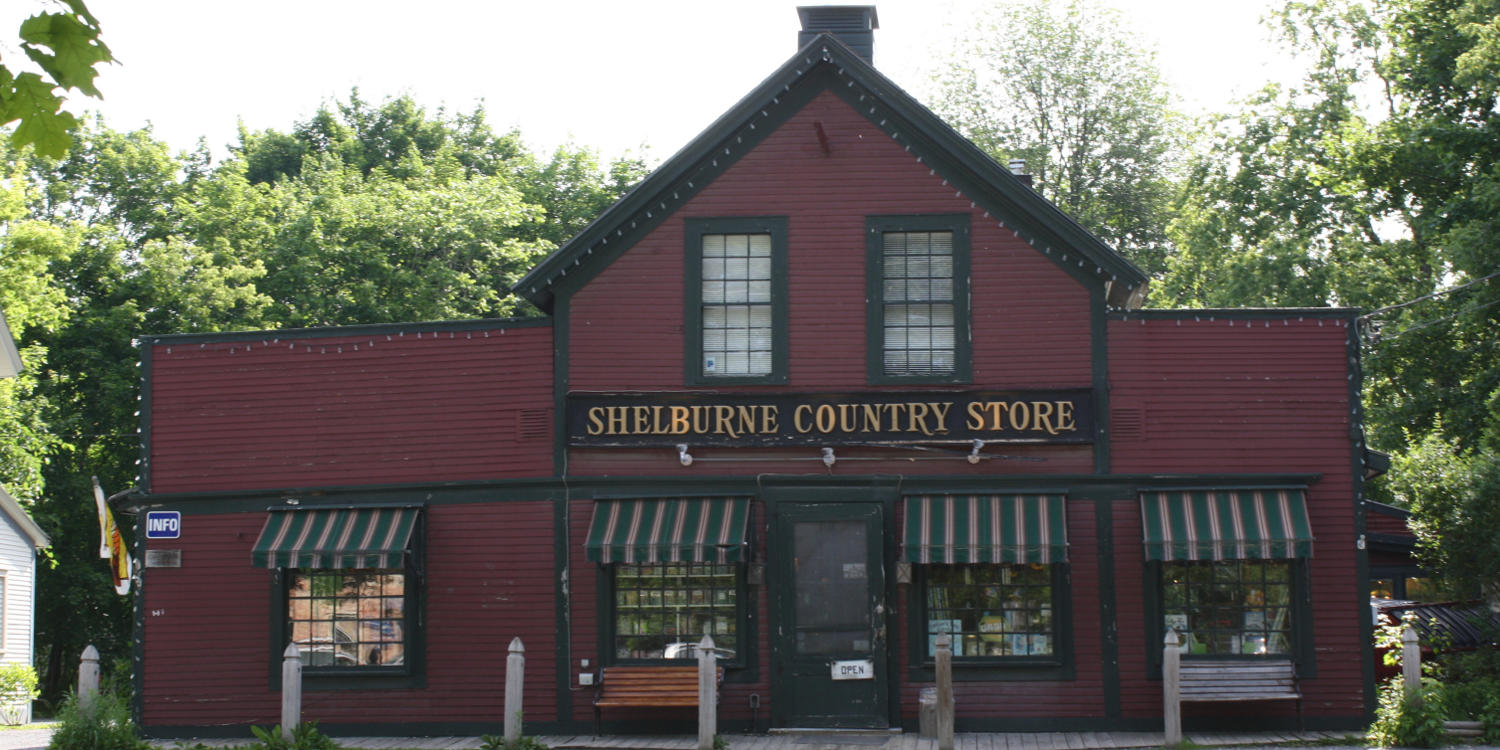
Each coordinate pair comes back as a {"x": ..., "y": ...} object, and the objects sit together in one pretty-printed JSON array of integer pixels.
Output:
[
  {"x": 291, "y": 691},
  {"x": 708, "y": 699},
  {"x": 1171, "y": 687},
  {"x": 944, "y": 662},
  {"x": 1411, "y": 664},
  {"x": 88, "y": 677},
  {"x": 515, "y": 679}
]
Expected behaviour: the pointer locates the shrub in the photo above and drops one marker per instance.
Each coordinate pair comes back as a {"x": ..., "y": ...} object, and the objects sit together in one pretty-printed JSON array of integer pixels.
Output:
[
  {"x": 1408, "y": 723},
  {"x": 305, "y": 737},
  {"x": 17, "y": 691},
  {"x": 102, "y": 725}
]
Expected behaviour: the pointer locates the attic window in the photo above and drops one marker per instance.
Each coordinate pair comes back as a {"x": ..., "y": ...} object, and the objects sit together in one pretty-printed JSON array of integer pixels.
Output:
[
  {"x": 736, "y": 301},
  {"x": 919, "y": 300}
]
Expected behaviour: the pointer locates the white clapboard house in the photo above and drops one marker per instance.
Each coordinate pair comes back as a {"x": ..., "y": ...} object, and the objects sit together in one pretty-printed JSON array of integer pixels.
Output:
[{"x": 20, "y": 538}]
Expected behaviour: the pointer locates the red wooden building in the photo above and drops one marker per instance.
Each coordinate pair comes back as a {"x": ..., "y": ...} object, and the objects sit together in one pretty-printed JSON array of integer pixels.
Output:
[{"x": 828, "y": 383}]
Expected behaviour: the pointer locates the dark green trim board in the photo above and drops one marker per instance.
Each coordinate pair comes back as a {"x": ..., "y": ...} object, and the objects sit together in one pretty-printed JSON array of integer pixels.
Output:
[
  {"x": 827, "y": 64},
  {"x": 1109, "y": 631},
  {"x": 381, "y": 329},
  {"x": 1213, "y": 314},
  {"x": 563, "y": 612},
  {"x": 1099, "y": 372},
  {"x": 876, "y": 227},
  {"x": 143, "y": 428},
  {"x": 692, "y": 331},
  {"x": 138, "y": 630},
  {"x": 1357, "y": 477},
  {"x": 561, "y": 337},
  {"x": 1059, "y": 666},
  {"x": 412, "y": 674}
]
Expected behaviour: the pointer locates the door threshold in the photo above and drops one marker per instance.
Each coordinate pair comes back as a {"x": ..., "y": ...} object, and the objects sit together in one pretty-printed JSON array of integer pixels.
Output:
[{"x": 835, "y": 730}]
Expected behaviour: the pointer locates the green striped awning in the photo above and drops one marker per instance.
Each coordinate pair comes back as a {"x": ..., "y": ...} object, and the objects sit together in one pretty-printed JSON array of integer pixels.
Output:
[
  {"x": 335, "y": 538},
  {"x": 986, "y": 529},
  {"x": 705, "y": 530},
  {"x": 1241, "y": 524}
]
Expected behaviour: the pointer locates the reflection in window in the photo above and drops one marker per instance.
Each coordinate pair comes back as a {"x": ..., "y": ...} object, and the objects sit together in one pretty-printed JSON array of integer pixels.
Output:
[
  {"x": 1229, "y": 607},
  {"x": 991, "y": 610},
  {"x": 736, "y": 304},
  {"x": 919, "y": 299},
  {"x": 663, "y": 610},
  {"x": 348, "y": 618},
  {"x": 1382, "y": 588}
]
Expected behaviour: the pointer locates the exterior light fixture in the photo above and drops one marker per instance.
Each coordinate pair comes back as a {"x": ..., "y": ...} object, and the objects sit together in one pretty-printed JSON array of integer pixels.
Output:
[
  {"x": 682, "y": 455},
  {"x": 903, "y": 572},
  {"x": 828, "y": 458},
  {"x": 974, "y": 454}
]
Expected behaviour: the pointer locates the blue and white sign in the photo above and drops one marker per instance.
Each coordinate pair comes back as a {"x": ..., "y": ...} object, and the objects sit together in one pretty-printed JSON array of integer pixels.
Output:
[{"x": 163, "y": 524}]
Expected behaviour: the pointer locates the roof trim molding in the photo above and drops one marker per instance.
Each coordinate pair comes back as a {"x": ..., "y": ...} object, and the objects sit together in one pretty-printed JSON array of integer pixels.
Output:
[
  {"x": 827, "y": 64},
  {"x": 18, "y": 514}
]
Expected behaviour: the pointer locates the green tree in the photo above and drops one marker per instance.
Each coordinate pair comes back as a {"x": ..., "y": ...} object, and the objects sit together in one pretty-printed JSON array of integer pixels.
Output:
[
  {"x": 66, "y": 47},
  {"x": 1067, "y": 86}
]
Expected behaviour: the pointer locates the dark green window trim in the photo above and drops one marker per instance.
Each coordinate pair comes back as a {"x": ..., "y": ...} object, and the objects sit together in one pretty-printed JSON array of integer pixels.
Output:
[
  {"x": 875, "y": 229},
  {"x": 740, "y": 669},
  {"x": 1058, "y": 666},
  {"x": 692, "y": 331},
  {"x": 1303, "y": 652},
  {"x": 412, "y": 674}
]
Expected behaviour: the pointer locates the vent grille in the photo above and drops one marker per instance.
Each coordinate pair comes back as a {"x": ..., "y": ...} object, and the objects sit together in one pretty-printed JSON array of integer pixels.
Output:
[
  {"x": 1127, "y": 424},
  {"x": 534, "y": 424},
  {"x": 836, "y": 19}
]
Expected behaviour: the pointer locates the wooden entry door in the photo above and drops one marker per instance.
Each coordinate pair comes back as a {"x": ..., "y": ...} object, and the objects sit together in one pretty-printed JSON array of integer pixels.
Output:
[{"x": 828, "y": 637}]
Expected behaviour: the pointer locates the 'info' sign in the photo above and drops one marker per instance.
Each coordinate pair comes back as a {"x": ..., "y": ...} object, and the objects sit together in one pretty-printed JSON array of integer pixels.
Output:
[{"x": 163, "y": 524}]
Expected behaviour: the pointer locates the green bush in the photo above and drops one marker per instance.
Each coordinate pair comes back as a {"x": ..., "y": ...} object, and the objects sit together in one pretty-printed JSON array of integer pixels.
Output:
[
  {"x": 103, "y": 725},
  {"x": 305, "y": 737},
  {"x": 1408, "y": 723},
  {"x": 17, "y": 691}
]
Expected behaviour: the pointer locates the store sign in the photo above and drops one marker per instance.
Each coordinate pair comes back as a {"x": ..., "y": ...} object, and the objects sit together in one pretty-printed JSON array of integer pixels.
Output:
[
  {"x": 889, "y": 418},
  {"x": 863, "y": 669}
]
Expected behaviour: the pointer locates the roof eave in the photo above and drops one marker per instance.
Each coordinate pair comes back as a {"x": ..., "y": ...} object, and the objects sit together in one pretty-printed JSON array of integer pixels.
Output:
[{"x": 13, "y": 509}]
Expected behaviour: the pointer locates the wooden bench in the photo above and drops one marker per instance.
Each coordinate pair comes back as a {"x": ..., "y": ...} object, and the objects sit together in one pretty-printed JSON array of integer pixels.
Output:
[
  {"x": 648, "y": 687},
  {"x": 1213, "y": 681}
]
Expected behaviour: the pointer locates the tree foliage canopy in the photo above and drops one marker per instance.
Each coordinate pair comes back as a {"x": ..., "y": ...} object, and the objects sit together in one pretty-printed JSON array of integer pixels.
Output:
[{"x": 66, "y": 47}]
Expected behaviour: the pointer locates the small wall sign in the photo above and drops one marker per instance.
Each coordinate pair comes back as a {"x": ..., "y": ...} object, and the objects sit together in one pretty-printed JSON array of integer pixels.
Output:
[
  {"x": 163, "y": 524},
  {"x": 861, "y": 669}
]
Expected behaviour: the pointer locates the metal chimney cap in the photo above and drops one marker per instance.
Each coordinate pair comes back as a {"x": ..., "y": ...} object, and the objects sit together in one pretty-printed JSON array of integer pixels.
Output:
[{"x": 1018, "y": 166}]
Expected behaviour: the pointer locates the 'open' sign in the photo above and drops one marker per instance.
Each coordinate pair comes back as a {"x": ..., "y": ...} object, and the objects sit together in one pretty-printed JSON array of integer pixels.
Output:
[
  {"x": 863, "y": 669},
  {"x": 163, "y": 524}
]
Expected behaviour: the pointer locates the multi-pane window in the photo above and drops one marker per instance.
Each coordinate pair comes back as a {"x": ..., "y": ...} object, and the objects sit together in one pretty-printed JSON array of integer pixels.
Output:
[
  {"x": 736, "y": 301},
  {"x": 919, "y": 303},
  {"x": 1230, "y": 606},
  {"x": 991, "y": 610},
  {"x": 348, "y": 618},
  {"x": 662, "y": 611}
]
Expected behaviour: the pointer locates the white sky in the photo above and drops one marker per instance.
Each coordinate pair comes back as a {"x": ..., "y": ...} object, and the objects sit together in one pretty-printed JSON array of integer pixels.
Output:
[{"x": 610, "y": 75}]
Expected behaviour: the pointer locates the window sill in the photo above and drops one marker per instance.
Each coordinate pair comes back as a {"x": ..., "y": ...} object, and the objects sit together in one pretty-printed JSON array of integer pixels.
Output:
[{"x": 997, "y": 671}]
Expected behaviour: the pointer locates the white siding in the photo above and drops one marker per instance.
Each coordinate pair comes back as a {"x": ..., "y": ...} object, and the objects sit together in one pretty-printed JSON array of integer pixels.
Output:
[{"x": 18, "y": 562}]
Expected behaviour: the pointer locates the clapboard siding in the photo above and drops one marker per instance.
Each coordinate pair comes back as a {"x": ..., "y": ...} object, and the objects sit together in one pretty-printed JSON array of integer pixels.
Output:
[
  {"x": 17, "y": 598},
  {"x": 489, "y": 575},
  {"x": 1238, "y": 397},
  {"x": 347, "y": 410},
  {"x": 1030, "y": 319}
]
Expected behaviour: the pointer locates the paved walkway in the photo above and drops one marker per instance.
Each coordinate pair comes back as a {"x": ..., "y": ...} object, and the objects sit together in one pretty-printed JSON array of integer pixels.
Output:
[
  {"x": 793, "y": 741},
  {"x": 25, "y": 739}
]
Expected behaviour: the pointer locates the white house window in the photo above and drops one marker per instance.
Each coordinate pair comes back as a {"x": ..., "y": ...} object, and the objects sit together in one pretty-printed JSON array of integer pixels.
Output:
[{"x": 737, "y": 329}]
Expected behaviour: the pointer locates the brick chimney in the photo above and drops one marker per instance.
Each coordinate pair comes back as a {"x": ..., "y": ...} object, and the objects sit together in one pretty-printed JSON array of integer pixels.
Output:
[{"x": 854, "y": 25}]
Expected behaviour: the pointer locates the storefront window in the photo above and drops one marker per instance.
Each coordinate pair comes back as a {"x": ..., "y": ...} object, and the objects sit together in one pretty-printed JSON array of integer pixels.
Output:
[
  {"x": 663, "y": 610},
  {"x": 348, "y": 618},
  {"x": 991, "y": 610},
  {"x": 1229, "y": 607},
  {"x": 1382, "y": 588}
]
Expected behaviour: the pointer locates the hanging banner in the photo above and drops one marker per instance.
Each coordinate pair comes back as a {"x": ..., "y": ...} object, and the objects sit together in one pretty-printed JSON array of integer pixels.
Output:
[
  {"x": 112, "y": 544},
  {"x": 875, "y": 418}
]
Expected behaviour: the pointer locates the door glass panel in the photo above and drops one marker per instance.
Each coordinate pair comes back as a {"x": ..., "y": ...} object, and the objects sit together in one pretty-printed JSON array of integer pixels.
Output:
[{"x": 832, "y": 585}]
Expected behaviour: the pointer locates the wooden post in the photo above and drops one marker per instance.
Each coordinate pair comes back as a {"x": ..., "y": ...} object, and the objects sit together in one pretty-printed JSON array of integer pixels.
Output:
[
  {"x": 1411, "y": 664},
  {"x": 88, "y": 678},
  {"x": 708, "y": 700},
  {"x": 515, "y": 677},
  {"x": 291, "y": 690},
  {"x": 944, "y": 662},
  {"x": 1171, "y": 687}
]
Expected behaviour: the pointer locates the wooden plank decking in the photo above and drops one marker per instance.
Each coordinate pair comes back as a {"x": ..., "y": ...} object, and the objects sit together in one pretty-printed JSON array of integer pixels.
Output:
[{"x": 792, "y": 741}]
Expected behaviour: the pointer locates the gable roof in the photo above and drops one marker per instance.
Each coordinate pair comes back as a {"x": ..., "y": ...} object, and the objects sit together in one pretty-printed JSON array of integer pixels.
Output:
[
  {"x": 10, "y": 359},
  {"x": 825, "y": 64},
  {"x": 13, "y": 509}
]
